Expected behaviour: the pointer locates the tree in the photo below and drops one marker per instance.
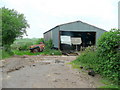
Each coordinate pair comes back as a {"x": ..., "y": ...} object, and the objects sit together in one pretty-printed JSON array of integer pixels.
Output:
[{"x": 13, "y": 26}]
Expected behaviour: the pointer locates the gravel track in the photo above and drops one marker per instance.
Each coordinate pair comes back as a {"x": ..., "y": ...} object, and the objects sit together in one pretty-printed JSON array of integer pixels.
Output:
[{"x": 44, "y": 72}]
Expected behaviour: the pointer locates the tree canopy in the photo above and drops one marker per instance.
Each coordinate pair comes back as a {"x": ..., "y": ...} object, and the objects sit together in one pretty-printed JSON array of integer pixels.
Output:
[{"x": 14, "y": 25}]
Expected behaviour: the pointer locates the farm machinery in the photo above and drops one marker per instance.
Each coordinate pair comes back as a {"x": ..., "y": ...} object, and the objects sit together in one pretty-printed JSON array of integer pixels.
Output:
[{"x": 37, "y": 48}]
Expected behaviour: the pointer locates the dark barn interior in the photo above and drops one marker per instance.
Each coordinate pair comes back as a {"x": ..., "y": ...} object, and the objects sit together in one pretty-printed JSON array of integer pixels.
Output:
[{"x": 87, "y": 38}]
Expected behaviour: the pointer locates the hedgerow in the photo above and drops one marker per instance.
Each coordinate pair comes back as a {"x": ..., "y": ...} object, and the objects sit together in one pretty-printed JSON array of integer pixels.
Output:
[
  {"x": 105, "y": 59},
  {"x": 109, "y": 55}
]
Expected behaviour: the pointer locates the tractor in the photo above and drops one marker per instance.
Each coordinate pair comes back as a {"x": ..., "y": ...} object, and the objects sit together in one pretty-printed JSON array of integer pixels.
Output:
[{"x": 37, "y": 48}]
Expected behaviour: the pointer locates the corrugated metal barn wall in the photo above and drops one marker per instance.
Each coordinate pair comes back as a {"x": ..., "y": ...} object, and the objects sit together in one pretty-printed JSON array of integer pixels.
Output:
[
  {"x": 48, "y": 35},
  {"x": 53, "y": 35}
]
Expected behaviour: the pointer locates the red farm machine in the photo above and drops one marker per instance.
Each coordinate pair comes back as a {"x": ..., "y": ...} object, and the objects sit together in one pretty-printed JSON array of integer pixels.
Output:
[{"x": 37, "y": 48}]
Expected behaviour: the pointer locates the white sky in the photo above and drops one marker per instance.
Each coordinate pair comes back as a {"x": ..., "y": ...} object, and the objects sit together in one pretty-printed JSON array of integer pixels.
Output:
[{"x": 43, "y": 15}]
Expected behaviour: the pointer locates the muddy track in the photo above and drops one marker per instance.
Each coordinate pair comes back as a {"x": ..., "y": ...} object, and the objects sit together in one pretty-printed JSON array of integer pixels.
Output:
[{"x": 44, "y": 72}]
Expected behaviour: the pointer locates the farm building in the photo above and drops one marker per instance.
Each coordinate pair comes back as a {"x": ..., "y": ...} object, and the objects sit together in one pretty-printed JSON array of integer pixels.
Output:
[{"x": 73, "y": 35}]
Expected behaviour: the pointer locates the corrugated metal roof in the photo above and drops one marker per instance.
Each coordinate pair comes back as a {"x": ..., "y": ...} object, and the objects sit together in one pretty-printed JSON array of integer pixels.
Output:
[
  {"x": 51, "y": 29},
  {"x": 74, "y": 22}
]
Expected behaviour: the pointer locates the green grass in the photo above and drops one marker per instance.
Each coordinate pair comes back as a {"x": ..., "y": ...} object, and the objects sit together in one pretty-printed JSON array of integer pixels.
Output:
[
  {"x": 74, "y": 65},
  {"x": 108, "y": 84},
  {"x": 17, "y": 52},
  {"x": 111, "y": 87},
  {"x": 48, "y": 52},
  {"x": 77, "y": 64}
]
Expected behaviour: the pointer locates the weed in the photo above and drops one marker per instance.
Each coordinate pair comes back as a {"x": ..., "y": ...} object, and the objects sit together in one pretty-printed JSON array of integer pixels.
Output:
[
  {"x": 4, "y": 54},
  {"x": 111, "y": 87}
]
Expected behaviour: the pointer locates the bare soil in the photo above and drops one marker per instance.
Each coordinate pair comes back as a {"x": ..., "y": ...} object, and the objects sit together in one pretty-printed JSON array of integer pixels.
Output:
[{"x": 44, "y": 72}]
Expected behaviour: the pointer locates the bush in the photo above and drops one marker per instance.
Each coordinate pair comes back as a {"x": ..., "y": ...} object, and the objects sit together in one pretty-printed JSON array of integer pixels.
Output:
[
  {"x": 105, "y": 59},
  {"x": 40, "y": 40},
  {"x": 48, "y": 44},
  {"x": 5, "y": 54},
  {"x": 88, "y": 57},
  {"x": 109, "y": 54},
  {"x": 21, "y": 45},
  {"x": 25, "y": 46}
]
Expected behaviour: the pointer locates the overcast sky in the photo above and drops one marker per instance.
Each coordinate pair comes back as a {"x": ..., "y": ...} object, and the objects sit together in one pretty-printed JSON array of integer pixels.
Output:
[{"x": 43, "y": 15}]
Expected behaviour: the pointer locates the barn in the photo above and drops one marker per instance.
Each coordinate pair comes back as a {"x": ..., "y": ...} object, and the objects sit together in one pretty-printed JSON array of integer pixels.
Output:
[{"x": 73, "y": 35}]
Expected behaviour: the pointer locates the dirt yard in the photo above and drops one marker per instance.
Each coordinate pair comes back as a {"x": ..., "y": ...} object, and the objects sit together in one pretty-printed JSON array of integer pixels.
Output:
[{"x": 44, "y": 72}]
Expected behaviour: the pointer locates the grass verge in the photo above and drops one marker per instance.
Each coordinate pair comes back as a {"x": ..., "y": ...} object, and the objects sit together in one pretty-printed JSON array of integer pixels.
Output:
[
  {"x": 4, "y": 54},
  {"x": 46, "y": 52},
  {"x": 108, "y": 84}
]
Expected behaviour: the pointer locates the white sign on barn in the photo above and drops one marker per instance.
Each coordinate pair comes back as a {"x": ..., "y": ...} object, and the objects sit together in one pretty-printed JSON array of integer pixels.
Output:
[
  {"x": 66, "y": 40},
  {"x": 76, "y": 41}
]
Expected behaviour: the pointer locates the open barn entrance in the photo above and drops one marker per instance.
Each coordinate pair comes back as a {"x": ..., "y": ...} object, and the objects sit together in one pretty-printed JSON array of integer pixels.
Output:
[{"x": 70, "y": 40}]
